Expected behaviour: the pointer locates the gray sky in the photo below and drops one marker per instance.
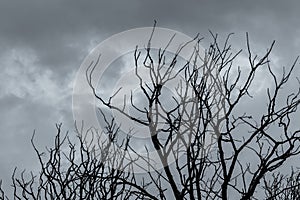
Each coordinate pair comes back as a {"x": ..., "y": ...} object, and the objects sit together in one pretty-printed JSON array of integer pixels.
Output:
[{"x": 42, "y": 44}]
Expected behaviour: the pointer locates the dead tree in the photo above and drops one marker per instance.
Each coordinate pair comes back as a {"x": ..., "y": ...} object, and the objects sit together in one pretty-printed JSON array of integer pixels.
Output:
[
  {"x": 283, "y": 187},
  {"x": 79, "y": 170},
  {"x": 207, "y": 102}
]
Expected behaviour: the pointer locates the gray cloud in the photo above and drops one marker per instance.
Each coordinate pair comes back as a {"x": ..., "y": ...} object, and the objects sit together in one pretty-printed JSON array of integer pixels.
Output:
[{"x": 44, "y": 42}]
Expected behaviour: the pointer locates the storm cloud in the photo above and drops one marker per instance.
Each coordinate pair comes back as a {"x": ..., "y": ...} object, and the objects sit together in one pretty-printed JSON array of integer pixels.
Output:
[{"x": 43, "y": 43}]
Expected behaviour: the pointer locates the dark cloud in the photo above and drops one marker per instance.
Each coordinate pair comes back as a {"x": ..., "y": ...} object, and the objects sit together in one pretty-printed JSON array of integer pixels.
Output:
[{"x": 51, "y": 38}]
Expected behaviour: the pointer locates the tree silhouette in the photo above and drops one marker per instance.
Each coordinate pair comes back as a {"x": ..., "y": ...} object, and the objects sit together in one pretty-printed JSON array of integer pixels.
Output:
[{"x": 206, "y": 142}]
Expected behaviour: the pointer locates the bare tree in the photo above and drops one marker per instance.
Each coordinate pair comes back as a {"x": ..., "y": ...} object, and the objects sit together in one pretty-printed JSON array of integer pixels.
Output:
[
  {"x": 208, "y": 101},
  {"x": 283, "y": 187},
  {"x": 208, "y": 145},
  {"x": 80, "y": 172}
]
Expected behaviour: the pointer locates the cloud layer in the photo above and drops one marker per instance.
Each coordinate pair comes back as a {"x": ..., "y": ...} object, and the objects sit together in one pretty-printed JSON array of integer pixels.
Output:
[{"x": 43, "y": 44}]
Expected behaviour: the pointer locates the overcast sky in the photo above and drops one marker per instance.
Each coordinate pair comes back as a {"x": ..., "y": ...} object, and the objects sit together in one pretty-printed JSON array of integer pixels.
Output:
[{"x": 43, "y": 43}]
